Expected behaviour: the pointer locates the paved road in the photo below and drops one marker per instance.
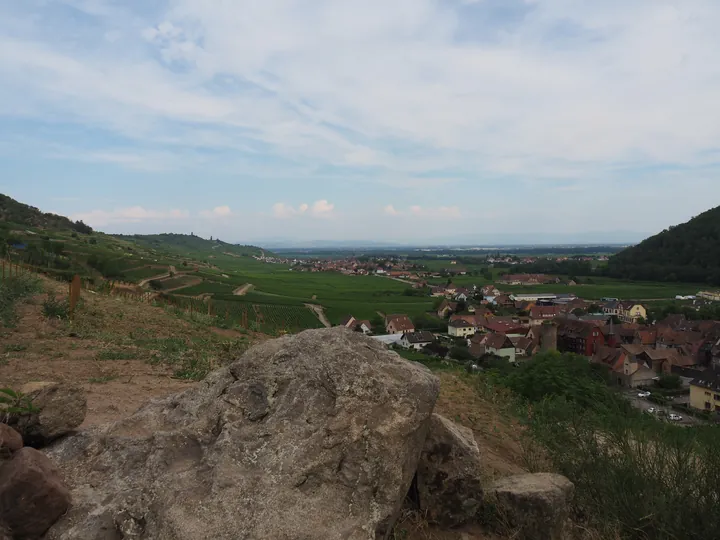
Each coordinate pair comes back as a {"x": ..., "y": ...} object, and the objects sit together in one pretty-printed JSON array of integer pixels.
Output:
[{"x": 644, "y": 405}]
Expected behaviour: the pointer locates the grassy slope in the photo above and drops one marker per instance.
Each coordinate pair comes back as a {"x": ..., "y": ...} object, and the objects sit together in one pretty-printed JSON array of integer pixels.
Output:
[{"x": 121, "y": 352}]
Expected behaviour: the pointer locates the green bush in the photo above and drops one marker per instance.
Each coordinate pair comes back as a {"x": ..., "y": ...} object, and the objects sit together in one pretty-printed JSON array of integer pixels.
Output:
[
  {"x": 14, "y": 403},
  {"x": 669, "y": 382},
  {"x": 636, "y": 478}
]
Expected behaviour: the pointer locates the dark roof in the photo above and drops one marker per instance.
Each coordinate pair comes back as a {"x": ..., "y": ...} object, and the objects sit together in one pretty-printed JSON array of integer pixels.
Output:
[
  {"x": 498, "y": 341},
  {"x": 710, "y": 380},
  {"x": 459, "y": 323},
  {"x": 420, "y": 337},
  {"x": 347, "y": 320}
]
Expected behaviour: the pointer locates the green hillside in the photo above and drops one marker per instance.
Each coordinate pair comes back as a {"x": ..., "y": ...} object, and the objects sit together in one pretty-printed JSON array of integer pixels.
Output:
[
  {"x": 13, "y": 212},
  {"x": 689, "y": 252},
  {"x": 64, "y": 248},
  {"x": 189, "y": 243}
]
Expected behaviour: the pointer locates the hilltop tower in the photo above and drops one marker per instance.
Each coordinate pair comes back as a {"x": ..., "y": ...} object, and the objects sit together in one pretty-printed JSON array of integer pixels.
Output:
[{"x": 548, "y": 336}]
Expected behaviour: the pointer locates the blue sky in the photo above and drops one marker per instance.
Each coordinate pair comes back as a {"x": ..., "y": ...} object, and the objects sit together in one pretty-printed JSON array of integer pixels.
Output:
[{"x": 402, "y": 120}]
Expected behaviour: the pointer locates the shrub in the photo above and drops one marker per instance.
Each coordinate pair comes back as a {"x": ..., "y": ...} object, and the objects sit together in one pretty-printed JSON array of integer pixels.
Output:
[
  {"x": 669, "y": 382},
  {"x": 14, "y": 403}
]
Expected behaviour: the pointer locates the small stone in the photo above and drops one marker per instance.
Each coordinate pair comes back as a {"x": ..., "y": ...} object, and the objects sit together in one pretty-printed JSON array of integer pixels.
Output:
[
  {"x": 62, "y": 408},
  {"x": 32, "y": 494},
  {"x": 449, "y": 484},
  {"x": 537, "y": 505}
]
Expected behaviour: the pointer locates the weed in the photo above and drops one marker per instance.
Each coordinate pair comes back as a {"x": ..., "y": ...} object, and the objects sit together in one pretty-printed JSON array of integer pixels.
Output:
[
  {"x": 15, "y": 347},
  {"x": 102, "y": 380},
  {"x": 53, "y": 308},
  {"x": 14, "y": 403},
  {"x": 13, "y": 290}
]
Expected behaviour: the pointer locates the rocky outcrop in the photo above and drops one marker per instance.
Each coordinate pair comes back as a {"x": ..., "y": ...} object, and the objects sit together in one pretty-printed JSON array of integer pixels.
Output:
[
  {"x": 62, "y": 408},
  {"x": 535, "y": 505},
  {"x": 313, "y": 436},
  {"x": 10, "y": 441},
  {"x": 32, "y": 495},
  {"x": 449, "y": 485}
]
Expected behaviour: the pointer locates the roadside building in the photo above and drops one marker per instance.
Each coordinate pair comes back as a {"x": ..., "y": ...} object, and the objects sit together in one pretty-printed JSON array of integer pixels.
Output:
[{"x": 705, "y": 391}]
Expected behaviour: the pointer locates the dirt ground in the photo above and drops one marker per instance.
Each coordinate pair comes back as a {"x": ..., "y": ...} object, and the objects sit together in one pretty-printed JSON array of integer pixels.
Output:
[{"x": 120, "y": 351}]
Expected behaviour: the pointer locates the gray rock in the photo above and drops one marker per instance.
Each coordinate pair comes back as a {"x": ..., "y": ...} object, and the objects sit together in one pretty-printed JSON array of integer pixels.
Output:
[
  {"x": 62, "y": 409},
  {"x": 32, "y": 495},
  {"x": 313, "y": 436},
  {"x": 10, "y": 441},
  {"x": 536, "y": 505},
  {"x": 449, "y": 484}
]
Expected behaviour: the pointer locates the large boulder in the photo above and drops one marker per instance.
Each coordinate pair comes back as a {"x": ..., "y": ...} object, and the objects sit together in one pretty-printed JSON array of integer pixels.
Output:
[
  {"x": 537, "y": 506},
  {"x": 62, "y": 408},
  {"x": 313, "y": 436},
  {"x": 449, "y": 484},
  {"x": 32, "y": 495},
  {"x": 10, "y": 441}
]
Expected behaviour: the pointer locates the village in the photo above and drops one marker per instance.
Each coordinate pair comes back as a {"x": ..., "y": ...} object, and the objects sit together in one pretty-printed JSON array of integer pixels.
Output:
[{"x": 486, "y": 324}]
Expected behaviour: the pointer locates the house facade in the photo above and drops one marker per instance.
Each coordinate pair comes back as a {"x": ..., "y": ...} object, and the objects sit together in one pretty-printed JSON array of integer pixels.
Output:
[
  {"x": 579, "y": 337},
  {"x": 399, "y": 324},
  {"x": 705, "y": 391},
  {"x": 461, "y": 328},
  {"x": 417, "y": 340},
  {"x": 501, "y": 345}
]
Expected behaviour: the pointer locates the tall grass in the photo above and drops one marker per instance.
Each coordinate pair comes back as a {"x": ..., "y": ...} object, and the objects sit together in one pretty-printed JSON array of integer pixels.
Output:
[
  {"x": 12, "y": 290},
  {"x": 635, "y": 476}
]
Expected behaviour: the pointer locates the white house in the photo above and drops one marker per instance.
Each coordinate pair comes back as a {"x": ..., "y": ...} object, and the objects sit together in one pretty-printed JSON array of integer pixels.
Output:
[
  {"x": 417, "y": 340},
  {"x": 461, "y": 328}
]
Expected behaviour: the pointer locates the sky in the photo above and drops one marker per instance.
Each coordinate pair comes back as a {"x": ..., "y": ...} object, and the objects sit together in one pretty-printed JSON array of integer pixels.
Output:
[{"x": 404, "y": 121}]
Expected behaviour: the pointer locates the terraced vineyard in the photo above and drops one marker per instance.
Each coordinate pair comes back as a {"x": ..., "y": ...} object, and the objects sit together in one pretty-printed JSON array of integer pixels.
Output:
[
  {"x": 206, "y": 287},
  {"x": 272, "y": 319}
]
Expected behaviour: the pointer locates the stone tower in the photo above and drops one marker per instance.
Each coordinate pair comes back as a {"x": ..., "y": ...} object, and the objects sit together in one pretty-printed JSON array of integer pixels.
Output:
[{"x": 548, "y": 336}]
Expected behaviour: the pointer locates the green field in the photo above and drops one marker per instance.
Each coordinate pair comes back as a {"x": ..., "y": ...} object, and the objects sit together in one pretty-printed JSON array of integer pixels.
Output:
[
  {"x": 270, "y": 319},
  {"x": 207, "y": 287},
  {"x": 608, "y": 287},
  {"x": 139, "y": 274}
]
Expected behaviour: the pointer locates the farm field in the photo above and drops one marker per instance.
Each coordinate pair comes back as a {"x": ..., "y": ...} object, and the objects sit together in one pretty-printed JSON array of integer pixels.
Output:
[
  {"x": 139, "y": 274},
  {"x": 608, "y": 287},
  {"x": 271, "y": 319},
  {"x": 206, "y": 287}
]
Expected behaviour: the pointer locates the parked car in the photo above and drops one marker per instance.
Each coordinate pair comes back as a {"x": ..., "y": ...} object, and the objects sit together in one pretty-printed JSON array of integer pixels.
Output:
[
  {"x": 643, "y": 394},
  {"x": 675, "y": 417},
  {"x": 651, "y": 410}
]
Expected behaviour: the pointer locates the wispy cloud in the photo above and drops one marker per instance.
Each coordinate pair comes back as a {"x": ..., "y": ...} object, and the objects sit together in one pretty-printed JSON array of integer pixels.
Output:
[
  {"x": 217, "y": 212},
  {"x": 447, "y": 100},
  {"x": 319, "y": 209}
]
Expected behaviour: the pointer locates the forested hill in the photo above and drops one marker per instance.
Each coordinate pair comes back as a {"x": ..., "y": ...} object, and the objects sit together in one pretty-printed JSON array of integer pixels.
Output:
[
  {"x": 17, "y": 213},
  {"x": 689, "y": 252}
]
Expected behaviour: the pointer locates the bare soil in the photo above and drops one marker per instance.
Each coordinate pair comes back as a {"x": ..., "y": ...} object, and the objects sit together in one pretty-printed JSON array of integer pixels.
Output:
[{"x": 116, "y": 349}]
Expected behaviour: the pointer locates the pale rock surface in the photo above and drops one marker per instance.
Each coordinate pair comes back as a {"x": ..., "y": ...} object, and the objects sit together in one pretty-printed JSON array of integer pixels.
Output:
[{"x": 313, "y": 436}]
